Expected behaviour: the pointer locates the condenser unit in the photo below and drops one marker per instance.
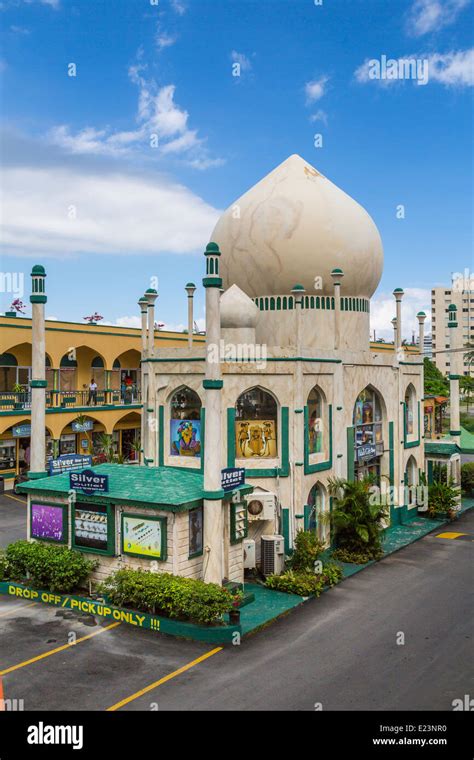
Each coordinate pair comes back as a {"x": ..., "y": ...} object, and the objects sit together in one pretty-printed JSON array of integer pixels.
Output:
[
  {"x": 272, "y": 556},
  {"x": 261, "y": 506},
  {"x": 250, "y": 556}
]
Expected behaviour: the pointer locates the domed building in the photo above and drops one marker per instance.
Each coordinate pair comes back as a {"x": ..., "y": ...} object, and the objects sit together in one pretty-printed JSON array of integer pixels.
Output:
[{"x": 288, "y": 388}]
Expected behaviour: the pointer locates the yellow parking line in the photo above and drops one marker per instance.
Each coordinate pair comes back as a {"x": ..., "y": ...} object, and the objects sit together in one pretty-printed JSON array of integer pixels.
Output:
[
  {"x": 58, "y": 649},
  {"x": 2, "y": 701},
  {"x": 15, "y": 608},
  {"x": 154, "y": 685},
  {"x": 449, "y": 534},
  {"x": 22, "y": 501}
]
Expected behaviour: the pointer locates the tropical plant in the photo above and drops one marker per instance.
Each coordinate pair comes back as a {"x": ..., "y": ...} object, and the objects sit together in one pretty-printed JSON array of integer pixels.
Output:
[
  {"x": 355, "y": 520},
  {"x": 436, "y": 384},
  {"x": 306, "y": 551},
  {"x": 136, "y": 447},
  {"x": 305, "y": 582},
  {"x": 442, "y": 499},
  {"x": 54, "y": 568}
]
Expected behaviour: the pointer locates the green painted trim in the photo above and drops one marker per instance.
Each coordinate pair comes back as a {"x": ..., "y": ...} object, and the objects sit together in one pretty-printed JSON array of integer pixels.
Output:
[
  {"x": 285, "y": 528},
  {"x": 413, "y": 364},
  {"x": 217, "y": 634},
  {"x": 430, "y": 464},
  {"x": 197, "y": 338},
  {"x": 415, "y": 443},
  {"x": 38, "y": 299},
  {"x": 213, "y": 384},
  {"x": 339, "y": 408},
  {"x": 38, "y": 383},
  {"x": 37, "y": 475},
  {"x": 307, "y": 513},
  {"x": 110, "y": 551},
  {"x": 68, "y": 409},
  {"x": 299, "y": 464},
  {"x": 231, "y": 437},
  {"x": 318, "y": 466},
  {"x": 213, "y": 495},
  {"x": 454, "y": 432},
  {"x": 350, "y": 453},
  {"x": 299, "y": 411},
  {"x": 212, "y": 282},
  {"x": 391, "y": 453},
  {"x": 161, "y": 435},
  {"x": 164, "y": 536},
  {"x": 65, "y": 509},
  {"x": 455, "y": 377},
  {"x": 318, "y": 360}
]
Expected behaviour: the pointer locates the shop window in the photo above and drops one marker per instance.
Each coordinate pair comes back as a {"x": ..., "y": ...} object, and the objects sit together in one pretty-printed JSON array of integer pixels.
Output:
[
  {"x": 315, "y": 503},
  {"x": 185, "y": 423},
  {"x": 196, "y": 531},
  {"x": 144, "y": 536},
  {"x": 49, "y": 522},
  {"x": 368, "y": 434},
  {"x": 410, "y": 405},
  {"x": 67, "y": 443},
  {"x": 256, "y": 425},
  {"x": 315, "y": 422},
  {"x": 7, "y": 454},
  {"x": 93, "y": 528}
]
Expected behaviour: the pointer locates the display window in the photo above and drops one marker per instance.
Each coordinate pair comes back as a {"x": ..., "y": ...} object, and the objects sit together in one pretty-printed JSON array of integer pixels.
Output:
[
  {"x": 196, "y": 531},
  {"x": 67, "y": 443},
  {"x": 7, "y": 454},
  {"x": 48, "y": 522},
  {"x": 256, "y": 425},
  {"x": 185, "y": 424},
  {"x": 144, "y": 536},
  {"x": 315, "y": 422},
  {"x": 93, "y": 528}
]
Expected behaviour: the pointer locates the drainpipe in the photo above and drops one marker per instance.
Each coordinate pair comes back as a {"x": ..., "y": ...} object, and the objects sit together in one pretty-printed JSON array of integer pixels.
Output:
[{"x": 190, "y": 288}]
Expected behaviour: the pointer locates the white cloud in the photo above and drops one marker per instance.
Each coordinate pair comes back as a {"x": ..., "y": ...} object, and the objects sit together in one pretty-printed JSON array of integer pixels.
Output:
[
  {"x": 116, "y": 213},
  {"x": 320, "y": 115},
  {"x": 158, "y": 115},
  {"x": 382, "y": 311},
  {"x": 452, "y": 69},
  {"x": 129, "y": 321},
  {"x": 179, "y": 7},
  {"x": 19, "y": 30},
  {"x": 163, "y": 39},
  {"x": 242, "y": 60},
  {"x": 315, "y": 89},
  {"x": 427, "y": 16}
]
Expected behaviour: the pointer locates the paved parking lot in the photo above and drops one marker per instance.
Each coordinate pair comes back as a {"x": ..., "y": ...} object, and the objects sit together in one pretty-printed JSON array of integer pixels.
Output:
[{"x": 340, "y": 650}]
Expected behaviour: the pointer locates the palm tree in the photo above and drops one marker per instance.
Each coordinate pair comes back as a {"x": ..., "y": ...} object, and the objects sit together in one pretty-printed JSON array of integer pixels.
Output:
[{"x": 354, "y": 518}]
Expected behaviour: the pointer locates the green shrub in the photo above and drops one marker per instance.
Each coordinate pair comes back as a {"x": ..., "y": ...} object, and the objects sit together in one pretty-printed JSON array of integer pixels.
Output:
[
  {"x": 357, "y": 557},
  {"x": 306, "y": 552},
  {"x": 168, "y": 595},
  {"x": 467, "y": 477},
  {"x": 4, "y": 568},
  {"x": 442, "y": 498},
  {"x": 305, "y": 583},
  {"x": 356, "y": 521},
  {"x": 54, "y": 568}
]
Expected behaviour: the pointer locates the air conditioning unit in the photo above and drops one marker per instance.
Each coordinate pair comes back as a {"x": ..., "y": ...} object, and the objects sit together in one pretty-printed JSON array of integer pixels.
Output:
[
  {"x": 272, "y": 557},
  {"x": 261, "y": 506},
  {"x": 250, "y": 556}
]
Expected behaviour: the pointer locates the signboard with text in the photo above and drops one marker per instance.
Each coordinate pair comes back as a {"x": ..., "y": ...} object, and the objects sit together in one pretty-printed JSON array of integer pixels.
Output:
[
  {"x": 89, "y": 482},
  {"x": 68, "y": 463},
  {"x": 82, "y": 427},
  {"x": 366, "y": 451},
  {"x": 232, "y": 477},
  {"x": 22, "y": 431}
]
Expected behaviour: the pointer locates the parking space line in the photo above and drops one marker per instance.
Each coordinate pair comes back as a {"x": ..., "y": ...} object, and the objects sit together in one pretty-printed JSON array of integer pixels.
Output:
[
  {"x": 163, "y": 680},
  {"x": 15, "y": 608},
  {"x": 2, "y": 701},
  {"x": 22, "y": 501},
  {"x": 58, "y": 649}
]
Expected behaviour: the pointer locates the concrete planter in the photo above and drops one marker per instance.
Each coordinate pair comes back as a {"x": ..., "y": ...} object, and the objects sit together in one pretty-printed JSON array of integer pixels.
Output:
[{"x": 223, "y": 634}]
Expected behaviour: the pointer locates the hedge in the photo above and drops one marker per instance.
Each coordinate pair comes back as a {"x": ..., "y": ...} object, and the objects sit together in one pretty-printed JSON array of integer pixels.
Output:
[{"x": 47, "y": 566}]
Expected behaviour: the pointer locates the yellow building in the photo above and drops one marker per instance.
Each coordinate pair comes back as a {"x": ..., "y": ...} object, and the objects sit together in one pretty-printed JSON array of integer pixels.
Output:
[{"x": 76, "y": 420}]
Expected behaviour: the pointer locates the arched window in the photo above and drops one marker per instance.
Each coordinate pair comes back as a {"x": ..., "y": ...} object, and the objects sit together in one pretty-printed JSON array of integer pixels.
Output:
[
  {"x": 316, "y": 433},
  {"x": 67, "y": 373},
  {"x": 315, "y": 503},
  {"x": 368, "y": 433},
  {"x": 411, "y": 480},
  {"x": 256, "y": 425},
  {"x": 410, "y": 403},
  {"x": 98, "y": 372},
  {"x": 185, "y": 423}
]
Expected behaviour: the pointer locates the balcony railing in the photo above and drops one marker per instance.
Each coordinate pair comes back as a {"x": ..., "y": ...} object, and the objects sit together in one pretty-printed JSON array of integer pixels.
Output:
[{"x": 65, "y": 399}]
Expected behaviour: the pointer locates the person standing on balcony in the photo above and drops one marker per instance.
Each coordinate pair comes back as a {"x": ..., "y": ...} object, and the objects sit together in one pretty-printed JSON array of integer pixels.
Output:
[{"x": 92, "y": 393}]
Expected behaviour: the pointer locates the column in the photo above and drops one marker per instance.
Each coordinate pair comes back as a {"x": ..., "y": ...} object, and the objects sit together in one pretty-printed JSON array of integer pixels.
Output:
[
  {"x": 190, "y": 288},
  {"x": 298, "y": 293},
  {"x": 151, "y": 425},
  {"x": 38, "y": 374},
  {"x": 337, "y": 275},
  {"x": 398, "y": 293},
  {"x": 455, "y": 371},
  {"x": 213, "y": 564},
  {"x": 421, "y": 316}
]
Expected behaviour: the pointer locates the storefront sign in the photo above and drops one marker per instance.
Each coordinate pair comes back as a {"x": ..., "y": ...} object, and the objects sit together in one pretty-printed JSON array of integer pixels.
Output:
[
  {"x": 22, "y": 431},
  {"x": 69, "y": 462},
  {"x": 89, "y": 482},
  {"x": 81, "y": 427},
  {"x": 232, "y": 477},
  {"x": 365, "y": 452},
  {"x": 47, "y": 522},
  {"x": 91, "y": 527},
  {"x": 142, "y": 536}
]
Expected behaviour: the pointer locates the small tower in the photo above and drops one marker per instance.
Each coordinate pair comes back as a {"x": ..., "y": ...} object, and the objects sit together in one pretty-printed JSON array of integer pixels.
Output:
[
  {"x": 337, "y": 275},
  {"x": 421, "y": 316},
  {"x": 455, "y": 369},
  {"x": 38, "y": 374},
  {"x": 190, "y": 289},
  {"x": 398, "y": 293},
  {"x": 151, "y": 295},
  {"x": 212, "y": 384},
  {"x": 149, "y": 441},
  {"x": 143, "y": 306}
]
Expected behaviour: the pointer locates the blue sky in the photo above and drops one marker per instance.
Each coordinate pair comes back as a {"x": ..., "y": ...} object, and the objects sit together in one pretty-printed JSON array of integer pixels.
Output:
[{"x": 89, "y": 196}]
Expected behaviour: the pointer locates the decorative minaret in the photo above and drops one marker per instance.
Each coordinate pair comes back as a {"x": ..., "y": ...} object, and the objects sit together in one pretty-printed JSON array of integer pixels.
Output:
[
  {"x": 456, "y": 362},
  {"x": 190, "y": 288},
  {"x": 151, "y": 423},
  {"x": 38, "y": 374},
  {"x": 213, "y": 566},
  {"x": 143, "y": 304},
  {"x": 421, "y": 316},
  {"x": 337, "y": 275},
  {"x": 298, "y": 293},
  {"x": 394, "y": 325},
  {"x": 398, "y": 293},
  {"x": 151, "y": 295}
]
